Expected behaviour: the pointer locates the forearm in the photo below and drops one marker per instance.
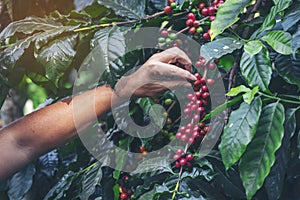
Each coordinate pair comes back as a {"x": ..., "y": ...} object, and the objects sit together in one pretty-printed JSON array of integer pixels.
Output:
[{"x": 50, "y": 127}]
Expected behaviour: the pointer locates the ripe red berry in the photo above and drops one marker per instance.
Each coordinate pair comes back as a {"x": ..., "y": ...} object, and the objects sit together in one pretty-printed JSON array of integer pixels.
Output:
[
  {"x": 210, "y": 81},
  {"x": 205, "y": 95},
  {"x": 198, "y": 76},
  {"x": 196, "y": 118},
  {"x": 196, "y": 24},
  {"x": 187, "y": 111},
  {"x": 168, "y": 10},
  {"x": 179, "y": 151},
  {"x": 206, "y": 36},
  {"x": 201, "y": 6},
  {"x": 204, "y": 88},
  {"x": 204, "y": 12},
  {"x": 164, "y": 33},
  {"x": 200, "y": 109},
  {"x": 191, "y": 140},
  {"x": 184, "y": 138},
  {"x": 142, "y": 149},
  {"x": 189, "y": 22},
  {"x": 189, "y": 157},
  {"x": 192, "y": 30},
  {"x": 176, "y": 156},
  {"x": 191, "y": 16},
  {"x": 177, "y": 165},
  {"x": 211, "y": 66},
  {"x": 123, "y": 196},
  {"x": 198, "y": 63},
  {"x": 126, "y": 178},
  {"x": 212, "y": 18},
  {"x": 178, "y": 135},
  {"x": 182, "y": 161},
  {"x": 211, "y": 10}
]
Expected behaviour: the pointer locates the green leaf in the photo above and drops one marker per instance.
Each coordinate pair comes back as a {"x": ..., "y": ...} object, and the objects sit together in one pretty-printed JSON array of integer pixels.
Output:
[
  {"x": 153, "y": 164},
  {"x": 257, "y": 70},
  {"x": 220, "y": 47},
  {"x": 270, "y": 20},
  {"x": 227, "y": 15},
  {"x": 57, "y": 56},
  {"x": 221, "y": 108},
  {"x": 134, "y": 9},
  {"x": 91, "y": 178},
  {"x": 259, "y": 157},
  {"x": 253, "y": 47},
  {"x": 275, "y": 180},
  {"x": 111, "y": 41},
  {"x": 296, "y": 41},
  {"x": 30, "y": 25},
  {"x": 237, "y": 90},
  {"x": 153, "y": 110},
  {"x": 226, "y": 62},
  {"x": 292, "y": 16},
  {"x": 21, "y": 182},
  {"x": 289, "y": 68},
  {"x": 239, "y": 132},
  {"x": 280, "y": 41},
  {"x": 249, "y": 96}
]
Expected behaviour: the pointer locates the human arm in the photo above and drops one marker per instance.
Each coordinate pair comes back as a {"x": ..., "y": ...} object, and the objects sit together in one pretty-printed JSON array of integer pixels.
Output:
[{"x": 54, "y": 125}]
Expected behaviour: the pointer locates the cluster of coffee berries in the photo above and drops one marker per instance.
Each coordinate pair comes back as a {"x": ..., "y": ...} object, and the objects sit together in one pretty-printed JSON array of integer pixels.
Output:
[
  {"x": 169, "y": 8},
  {"x": 125, "y": 192},
  {"x": 182, "y": 159},
  {"x": 166, "y": 37}
]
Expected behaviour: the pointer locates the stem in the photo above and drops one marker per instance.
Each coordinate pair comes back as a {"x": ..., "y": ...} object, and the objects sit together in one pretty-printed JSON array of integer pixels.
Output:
[
  {"x": 279, "y": 99},
  {"x": 117, "y": 23},
  {"x": 179, "y": 176}
]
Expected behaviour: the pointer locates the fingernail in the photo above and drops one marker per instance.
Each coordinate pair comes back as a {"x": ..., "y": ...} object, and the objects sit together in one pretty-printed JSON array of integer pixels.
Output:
[{"x": 193, "y": 78}]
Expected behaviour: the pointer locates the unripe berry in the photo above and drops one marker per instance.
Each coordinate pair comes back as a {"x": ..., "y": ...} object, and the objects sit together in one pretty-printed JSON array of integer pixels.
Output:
[
  {"x": 199, "y": 30},
  {"x": 168, "y": 102},
  {"x": 172, "y": 36},
  {"x": 161, "y": 40},
  {"x": 173, "y": 5}
]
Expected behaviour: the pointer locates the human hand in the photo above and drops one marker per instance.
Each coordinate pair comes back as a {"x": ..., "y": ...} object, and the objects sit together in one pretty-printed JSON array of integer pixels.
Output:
[{"x": 157, "y": 75}]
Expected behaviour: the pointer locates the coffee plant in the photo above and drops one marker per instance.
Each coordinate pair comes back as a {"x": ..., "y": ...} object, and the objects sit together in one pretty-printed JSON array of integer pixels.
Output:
[{"x": 252, "y": 46}]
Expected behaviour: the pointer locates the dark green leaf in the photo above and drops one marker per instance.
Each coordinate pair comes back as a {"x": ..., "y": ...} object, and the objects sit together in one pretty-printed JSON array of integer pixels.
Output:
[
  {"x": 220, "y": 47},
  {"x": 58, "y": 191},
  {"x": 253, "y": 47},
  {"x": 280, "y": 41},
  {"x": 292, "y": 16},
  {"x": 153, "y": 164},
  {"x": 57, "y": 56},
  {"x": 227, "y": 15},
  {"x": 275, "y": 180},
  {"x": 90, "y": 179},
  {"x": 289, "y": 68},
  {"x": 30, "y": 25},
  {"x": 257, "y": 70},
  {"x": 259, "y": 157},
  {"x": 296, "y": 41},
  {"x": 239, "y": 132},
  {"x": 21, "y": 182},
  {"x": 270, "y": 20},
  {"x": 134, "y": 9}
]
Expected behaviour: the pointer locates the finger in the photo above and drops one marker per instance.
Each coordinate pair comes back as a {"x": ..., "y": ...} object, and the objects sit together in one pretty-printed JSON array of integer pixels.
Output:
[
  {"x": 176, "y": 84},
  {"x": 173, "y": 55},
  {"x": 171, "y": 71}
]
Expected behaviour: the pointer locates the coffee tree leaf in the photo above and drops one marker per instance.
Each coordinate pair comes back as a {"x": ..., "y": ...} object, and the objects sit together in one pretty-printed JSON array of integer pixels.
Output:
[
  {"x": 259, "y": 157},
  {"x": 280, "y": 41},
  {"x": 239, "y": 132},
  {"x": 257, "y": 70},
  {"x": 253, "y": 47},
  {"x": 227, "y": 15}
]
